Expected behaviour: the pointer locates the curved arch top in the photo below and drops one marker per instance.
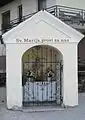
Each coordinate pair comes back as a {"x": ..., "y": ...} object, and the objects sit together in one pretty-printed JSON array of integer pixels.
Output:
[
  {"x": 44, "y": 46},
  {"x": 26, "y": 47}
]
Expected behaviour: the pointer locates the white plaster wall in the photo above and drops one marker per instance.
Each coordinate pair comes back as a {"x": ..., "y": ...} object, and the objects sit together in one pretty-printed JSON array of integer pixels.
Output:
[
  {"x": 72, "y": 3},
  {"x": 50, "y": 3},
  {"x": 14, "y": 73},
  {"x": 70, "y": 75},
  {"x": 14, "y": 83},
  {"x": 29, "y": 6}
]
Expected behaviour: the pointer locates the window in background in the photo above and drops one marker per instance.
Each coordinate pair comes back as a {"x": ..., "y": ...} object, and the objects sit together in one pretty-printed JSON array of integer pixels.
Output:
[
  {"x": 20, "y": 13},
  {"x": 5, "y": 20}
]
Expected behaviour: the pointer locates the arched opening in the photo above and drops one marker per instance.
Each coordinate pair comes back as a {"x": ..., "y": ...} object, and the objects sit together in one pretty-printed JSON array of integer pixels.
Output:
[{"x": 42, "y": 76}]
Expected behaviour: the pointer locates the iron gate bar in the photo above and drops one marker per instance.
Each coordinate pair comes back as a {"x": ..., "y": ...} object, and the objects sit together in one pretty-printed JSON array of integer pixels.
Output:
[
  {"x": 42, "y": 71},
  {"x": 61, "y": 68},
  {"x": 40, "y": 103},
  {"x": 51, "y": 78},
  {"x": 56, "y": 80},
  {"x": 28, "y": 82},
  {"x": 46, "y": 89},
  {"x": 46, "y": 76}
]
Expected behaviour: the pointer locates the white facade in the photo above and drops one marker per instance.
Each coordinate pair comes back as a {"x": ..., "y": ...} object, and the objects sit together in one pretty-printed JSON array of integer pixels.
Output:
[
  {"x": 30, "y": 6},
  {"x": 41, "y": 26}
]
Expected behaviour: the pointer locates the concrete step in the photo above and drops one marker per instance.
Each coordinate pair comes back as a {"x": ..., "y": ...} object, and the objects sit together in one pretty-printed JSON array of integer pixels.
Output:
[{"x": 42, "y": 109}]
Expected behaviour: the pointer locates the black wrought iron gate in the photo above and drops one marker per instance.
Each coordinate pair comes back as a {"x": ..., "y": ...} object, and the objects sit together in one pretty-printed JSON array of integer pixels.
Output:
[{"x": 42, "y": 78}]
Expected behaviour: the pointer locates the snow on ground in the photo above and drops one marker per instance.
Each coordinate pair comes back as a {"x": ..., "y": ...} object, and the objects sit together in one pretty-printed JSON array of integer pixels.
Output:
[{"x": 76, "y": 113}]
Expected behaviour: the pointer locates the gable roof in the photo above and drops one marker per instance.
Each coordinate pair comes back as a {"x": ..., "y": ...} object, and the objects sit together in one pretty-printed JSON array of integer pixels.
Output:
[{"x": 42, "y": 18}]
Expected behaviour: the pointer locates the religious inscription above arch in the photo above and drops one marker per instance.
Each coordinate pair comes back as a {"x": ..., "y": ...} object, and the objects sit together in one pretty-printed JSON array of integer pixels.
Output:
[{"x": 53, "y": 40}]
